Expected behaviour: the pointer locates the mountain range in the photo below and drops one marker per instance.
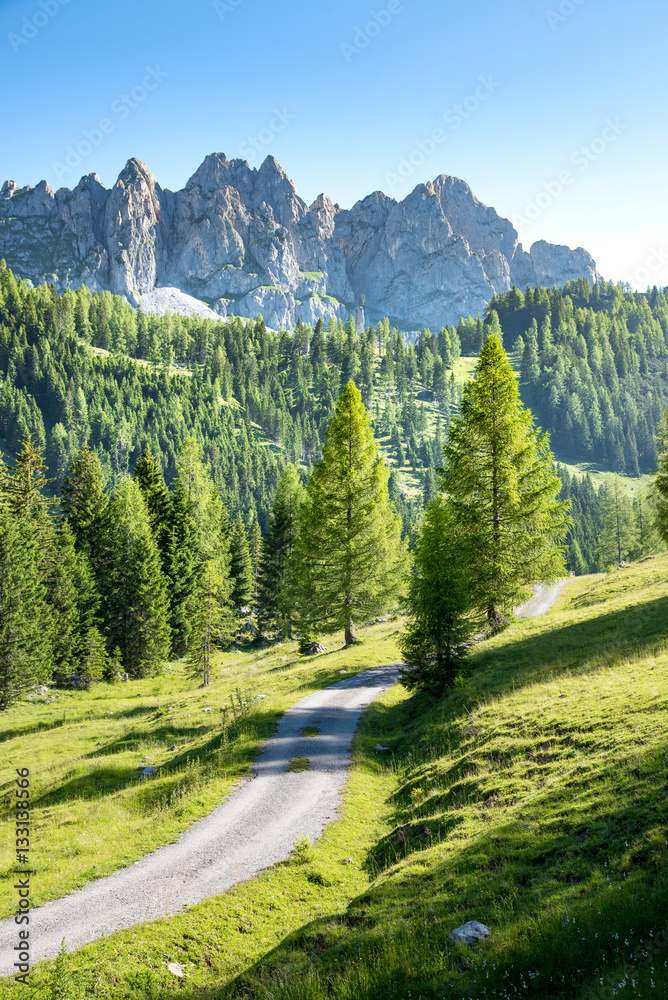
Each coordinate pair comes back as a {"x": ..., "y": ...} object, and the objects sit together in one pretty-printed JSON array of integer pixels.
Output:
[{"x": 240, "y": 240}]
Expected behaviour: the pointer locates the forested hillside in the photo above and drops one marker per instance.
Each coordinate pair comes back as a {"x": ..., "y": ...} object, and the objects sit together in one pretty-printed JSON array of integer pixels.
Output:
[
  {"x": 82, "y": 369},
  {"x": 594, "y": 367},
  {"x": 253, "y": 399}
]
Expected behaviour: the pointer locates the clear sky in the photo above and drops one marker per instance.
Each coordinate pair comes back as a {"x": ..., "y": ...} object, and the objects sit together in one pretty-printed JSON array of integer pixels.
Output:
[{"x": 554, "y": 112}]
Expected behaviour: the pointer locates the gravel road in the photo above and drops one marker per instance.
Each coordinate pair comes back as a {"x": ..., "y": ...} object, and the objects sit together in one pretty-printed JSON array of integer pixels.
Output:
[
  {"x": 252, "y": 830},
  {"x": 543, "y": 598}
]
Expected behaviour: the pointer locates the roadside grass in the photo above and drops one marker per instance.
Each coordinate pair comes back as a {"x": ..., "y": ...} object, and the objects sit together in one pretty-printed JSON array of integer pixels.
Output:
[
  {"x": 218, "y": 938},
  {"x": 532, "y": 798},
  {"x": 91, "y": 812}
]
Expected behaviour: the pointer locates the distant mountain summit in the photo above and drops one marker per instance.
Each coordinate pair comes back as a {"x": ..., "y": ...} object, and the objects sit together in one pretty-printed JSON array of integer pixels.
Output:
[{"x": 240, "y": 240}]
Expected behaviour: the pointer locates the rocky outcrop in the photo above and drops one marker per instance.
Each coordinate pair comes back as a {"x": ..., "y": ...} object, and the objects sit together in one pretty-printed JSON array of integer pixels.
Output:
[{"x": 238, "y": 240}]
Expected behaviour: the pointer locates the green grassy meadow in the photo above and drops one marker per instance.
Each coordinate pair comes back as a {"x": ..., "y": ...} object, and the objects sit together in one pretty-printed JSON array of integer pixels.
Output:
[{"x": 532, "y": 798}]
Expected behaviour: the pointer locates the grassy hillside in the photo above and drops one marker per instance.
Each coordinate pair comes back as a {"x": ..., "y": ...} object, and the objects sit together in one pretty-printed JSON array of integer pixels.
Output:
[
  {"x": 533, "y": 799},
  {"x": 91, "y": 814}
]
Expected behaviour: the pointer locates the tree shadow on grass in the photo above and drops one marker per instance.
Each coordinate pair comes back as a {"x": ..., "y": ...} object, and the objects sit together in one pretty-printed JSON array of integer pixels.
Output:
[{"x": 637, "y": 629}]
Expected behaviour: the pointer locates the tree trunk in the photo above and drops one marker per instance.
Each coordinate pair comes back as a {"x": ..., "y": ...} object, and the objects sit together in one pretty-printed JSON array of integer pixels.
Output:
[
  {"x": 350, "y": 635},
  {"x": 495, "y": 618}
]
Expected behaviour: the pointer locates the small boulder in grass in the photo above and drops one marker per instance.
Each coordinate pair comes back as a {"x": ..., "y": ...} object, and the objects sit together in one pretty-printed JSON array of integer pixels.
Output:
[
  {"x": 470, "y": 933},
  {"x": 175, "y": 969}
]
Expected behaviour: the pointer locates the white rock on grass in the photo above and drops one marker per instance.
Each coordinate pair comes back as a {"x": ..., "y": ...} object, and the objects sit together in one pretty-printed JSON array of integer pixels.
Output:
[{"x": 470, "y": 933}]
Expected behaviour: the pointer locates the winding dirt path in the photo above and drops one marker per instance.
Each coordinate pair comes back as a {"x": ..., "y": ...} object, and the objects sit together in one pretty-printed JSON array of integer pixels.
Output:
[{"x": 252, "y": 830}]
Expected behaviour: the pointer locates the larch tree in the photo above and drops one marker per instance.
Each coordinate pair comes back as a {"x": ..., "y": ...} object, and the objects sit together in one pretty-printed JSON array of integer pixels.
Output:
[
  {"x": 434, "y": 641},
  {"x": 349, "y": 561},
  {"x": 500, "y": 478},
  {"x": 618, "y": 537}
]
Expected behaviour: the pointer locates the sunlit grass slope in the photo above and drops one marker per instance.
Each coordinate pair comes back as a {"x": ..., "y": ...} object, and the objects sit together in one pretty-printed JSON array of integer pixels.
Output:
[{"x": 532, "y": 799}]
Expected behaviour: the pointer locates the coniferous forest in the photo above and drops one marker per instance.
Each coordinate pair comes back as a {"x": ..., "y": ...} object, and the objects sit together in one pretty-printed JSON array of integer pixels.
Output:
[{"x": 162, "y": 471}]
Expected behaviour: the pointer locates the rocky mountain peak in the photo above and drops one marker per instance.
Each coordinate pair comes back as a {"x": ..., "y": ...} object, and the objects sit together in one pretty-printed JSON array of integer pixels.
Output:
[{"x": 241, "y": 240}]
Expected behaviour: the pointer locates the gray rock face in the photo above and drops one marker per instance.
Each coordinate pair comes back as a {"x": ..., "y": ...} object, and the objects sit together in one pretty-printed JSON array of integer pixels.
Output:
[{"x": 239, "y": 240}]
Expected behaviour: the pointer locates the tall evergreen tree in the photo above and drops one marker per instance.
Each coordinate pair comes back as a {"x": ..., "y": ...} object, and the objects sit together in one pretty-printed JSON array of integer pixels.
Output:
[
  {"x": 148, "y": 474},
  {"x": 255, "y": 549},
  {"x": 25, "y": 617},
  {"x": 85, "y": 503},
  {"x": 208, "y": 620},
  {"x": 277, "y": 550},
  {"x": 349, "y": 560},
  {"x": 183, "y": 569},
  {"x": 24, "y": 484},
  {"x": 136, "y": 608},
  {"x": 660, "y": 484},
  {"x": 439, "y": 624},
  {"x": 618, "y": 537},
  {"x": 500, "y": 477},
  {"x": 241, "y": 566}
]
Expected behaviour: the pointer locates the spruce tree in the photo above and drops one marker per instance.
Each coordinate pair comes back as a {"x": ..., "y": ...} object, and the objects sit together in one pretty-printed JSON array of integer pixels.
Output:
[
  {"x": 660, "y": 484},
  {"x": 349, "y": 561},
  {"x": 86, "y": 504},
  {"x": 24, "y": 484},
  {"x": 136, "y": 608},
  {"x": 208, "y": 620},
  {"x": 183, "y": 569},
  {"x": 241, "y": 567},
  {"x": 439, "y": 624},
  {"x": 277, "y": 550},
  {"x": 500, "y": 477},
  {"x": 25, "y": 617},
  {"x": 255, "y": 549},
  {"x": 148, "y": 474}
]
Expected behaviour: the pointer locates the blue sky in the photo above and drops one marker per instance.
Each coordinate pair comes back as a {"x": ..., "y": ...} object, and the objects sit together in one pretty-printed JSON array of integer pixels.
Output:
[{"x": 554, "y": 112}]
